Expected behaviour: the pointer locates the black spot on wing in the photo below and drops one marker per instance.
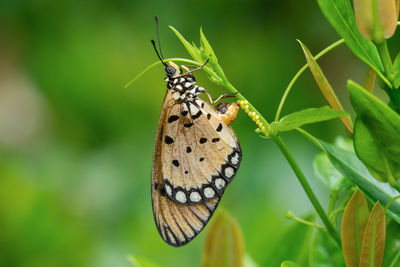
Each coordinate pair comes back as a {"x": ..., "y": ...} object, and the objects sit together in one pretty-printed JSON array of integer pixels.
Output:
[
  {"x": 203, "y": 140},
  {"x": 197, "y": 115},
  {"x": 219, "y": 128},
  {"x": 173, "y": 118},
  {"x": 168, "y": 140},
  {"x": 175, "y": 162}
]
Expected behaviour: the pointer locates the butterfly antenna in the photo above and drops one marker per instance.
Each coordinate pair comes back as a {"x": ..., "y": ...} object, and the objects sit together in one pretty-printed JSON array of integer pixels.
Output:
[
  {"x": 158, "y": 37},
  {"x": 155, "y": 48}
]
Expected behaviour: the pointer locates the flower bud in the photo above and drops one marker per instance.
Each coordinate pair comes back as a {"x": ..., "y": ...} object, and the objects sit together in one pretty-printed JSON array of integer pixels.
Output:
[{"x": 376, "y": 19}]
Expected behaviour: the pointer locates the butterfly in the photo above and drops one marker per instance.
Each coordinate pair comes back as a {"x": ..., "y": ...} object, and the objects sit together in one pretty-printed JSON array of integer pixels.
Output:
[{"x": 196, "y": 155}]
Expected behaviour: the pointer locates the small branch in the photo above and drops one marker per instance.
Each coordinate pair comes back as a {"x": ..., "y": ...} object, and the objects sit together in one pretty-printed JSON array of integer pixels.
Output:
[
  {"x": 386, "y": 60},
  {"x": 307, "y": 188},
  {"x": 311, "y": 138}
]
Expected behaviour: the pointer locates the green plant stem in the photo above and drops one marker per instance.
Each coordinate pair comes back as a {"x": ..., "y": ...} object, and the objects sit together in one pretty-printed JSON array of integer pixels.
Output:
[
  {"x": 292, "y": 162},
  {"x": 312, "y": 224},
  {"x": 391, "y": 202},
  {"x": 386, "y": 60},
  {"x": 307, "y": 188},
  {"x": 333, "y": 197},
  {"x": 311, "y": 138},
  {"x": 286, "y": 93}
]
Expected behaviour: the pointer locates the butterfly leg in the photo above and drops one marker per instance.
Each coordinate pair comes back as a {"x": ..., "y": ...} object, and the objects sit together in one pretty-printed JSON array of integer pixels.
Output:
[
  {"x": 224, "y": 96},
  {"x": 193, "y": 70}
]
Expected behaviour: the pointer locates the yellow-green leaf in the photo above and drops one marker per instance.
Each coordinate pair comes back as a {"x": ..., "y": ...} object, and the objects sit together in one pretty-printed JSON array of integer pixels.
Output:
[
  {"x": 354, "y": 220},
  {"x": 325, "y": 87},
  {"x": 208, "y": 51},
  {"x": 373, "y": 244},
  {"x": 224, "y": 243},
  {"x": 369, "y": 82}
]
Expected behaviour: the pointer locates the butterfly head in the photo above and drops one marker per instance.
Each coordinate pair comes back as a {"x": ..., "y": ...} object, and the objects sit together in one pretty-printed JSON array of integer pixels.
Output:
[{"x": 172, "y": 70}]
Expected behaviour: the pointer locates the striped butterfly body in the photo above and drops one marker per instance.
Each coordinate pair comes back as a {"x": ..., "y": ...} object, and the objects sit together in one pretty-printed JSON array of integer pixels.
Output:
[{"x": 196, "y": 156}]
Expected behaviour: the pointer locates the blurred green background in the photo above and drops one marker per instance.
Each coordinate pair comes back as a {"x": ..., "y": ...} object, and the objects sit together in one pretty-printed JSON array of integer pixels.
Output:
[{"x": 76, "y": 147}]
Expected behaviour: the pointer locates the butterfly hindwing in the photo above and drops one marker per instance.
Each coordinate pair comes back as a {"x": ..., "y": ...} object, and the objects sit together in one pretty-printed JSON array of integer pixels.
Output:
[{"x": 176, "y": 223}]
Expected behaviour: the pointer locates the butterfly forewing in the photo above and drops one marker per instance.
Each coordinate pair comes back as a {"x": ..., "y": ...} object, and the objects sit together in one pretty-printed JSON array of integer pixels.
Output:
[{"x": 196, "y": 163}]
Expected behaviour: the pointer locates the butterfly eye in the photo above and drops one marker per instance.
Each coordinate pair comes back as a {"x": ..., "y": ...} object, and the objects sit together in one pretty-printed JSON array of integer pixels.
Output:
[{"x": 170, "y": 70}]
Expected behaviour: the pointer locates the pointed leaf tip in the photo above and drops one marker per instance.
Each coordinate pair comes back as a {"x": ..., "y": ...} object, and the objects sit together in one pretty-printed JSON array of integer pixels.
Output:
[
  {"x": 374, "y": 238},
  {"x": 354, "y": 220},
  {"x": 325, "y": 86}
]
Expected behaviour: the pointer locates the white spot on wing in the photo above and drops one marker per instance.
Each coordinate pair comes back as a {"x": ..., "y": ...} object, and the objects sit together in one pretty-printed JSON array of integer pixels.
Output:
[
  {"x": 193, "y": 109},
  {"x": 209, "y": 192},
  {"x": 176, "y": 96},
  {"x": 184, "y": 107},
  {"x": 235, "y": 159},
  {"x": 180, "y": 197},
  {"x": 179, "y": 87},
  {"x": 195, "y": 197},
  {"x": 229, "y": 172},
  {"x": 219, "y": 183},
  {"x": 168, "y": 190}
]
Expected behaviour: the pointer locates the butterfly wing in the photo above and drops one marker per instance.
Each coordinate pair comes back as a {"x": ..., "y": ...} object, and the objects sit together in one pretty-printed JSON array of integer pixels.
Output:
[
  {"x": 176, "y": 223},
  {"x": 200, "y": 153}
]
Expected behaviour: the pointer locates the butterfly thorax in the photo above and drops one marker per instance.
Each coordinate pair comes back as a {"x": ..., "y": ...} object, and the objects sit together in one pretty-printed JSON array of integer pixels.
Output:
[{"x": 184, "y": 87}]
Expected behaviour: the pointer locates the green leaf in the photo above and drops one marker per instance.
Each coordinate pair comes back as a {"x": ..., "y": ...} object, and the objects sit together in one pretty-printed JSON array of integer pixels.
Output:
[
  {"x": 377, "y": 134},
  {"x": 391, "y": 257},
  {"x": 328, "y": 174},
  {"x": 352, "y": 168},
  {"x": 374, "y": 238},
  {"x": 141, "y": 262},
  {"x": 213, "y": 70},
  {"x": 193, "y": 50},
  {"x": 207, "y": 49},
  {"x": 289, "y": 264},
  {"x": 306, "y": 116},
  {"x": 340, "y": 14},
  {"x": 396, "y": 68},
  {"x": 354, "y": 221},
  {"x": 368, "y": 151},
  {"x": 224, "y": 243},
  {"x": 325, "y": 87},
  {"x": 324, "y": 252}
]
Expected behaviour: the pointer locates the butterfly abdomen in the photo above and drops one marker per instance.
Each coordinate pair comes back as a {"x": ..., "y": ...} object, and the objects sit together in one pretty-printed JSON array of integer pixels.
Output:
[{"x": 228, "y": 112}]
